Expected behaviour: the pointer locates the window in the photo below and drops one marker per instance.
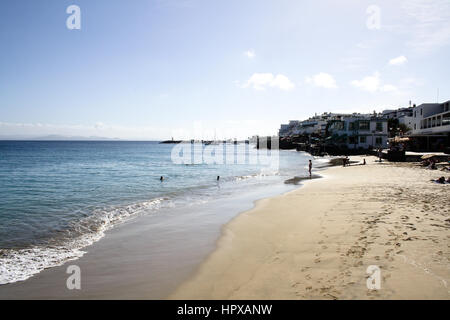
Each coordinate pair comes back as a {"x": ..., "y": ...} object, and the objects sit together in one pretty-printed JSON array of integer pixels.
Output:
[
  {"x": 415, "y": 127},
  {"x": 364, "y": 125},
  {"x": 446, "y": 119},
  {"x": 438, "y": 121},
  {"x": 379, "y": 126},
  {"x": 415, "y": 114},
  {"x": 351, "y": 140},
  {"x": 338, "y": 125},
  {"x": 378, "y": 140},
  {"x": 421, "y": 112},
  {"x": 362, "y": 139},
  {"x": 433, "y": 122},
  {"x": 351, "y": 126}
]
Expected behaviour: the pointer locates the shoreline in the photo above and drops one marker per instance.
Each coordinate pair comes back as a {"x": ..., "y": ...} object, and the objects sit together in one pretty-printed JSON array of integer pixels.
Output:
[
  {"x": 135, "y": 269},
  {"x": 317, "y": 241},
  {"x": 268, "y": 251}
]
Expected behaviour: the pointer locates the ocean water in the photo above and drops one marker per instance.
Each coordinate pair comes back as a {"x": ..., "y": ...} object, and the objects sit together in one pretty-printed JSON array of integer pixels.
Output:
[{"x": 59, "y": 197}]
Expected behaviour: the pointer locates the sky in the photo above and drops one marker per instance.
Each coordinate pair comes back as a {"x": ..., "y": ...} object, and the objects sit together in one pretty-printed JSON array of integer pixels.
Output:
[{"x": 156, "y": 69}]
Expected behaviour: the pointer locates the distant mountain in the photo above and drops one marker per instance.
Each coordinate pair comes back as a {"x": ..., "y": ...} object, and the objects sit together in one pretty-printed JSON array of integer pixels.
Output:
[
  {"x": 77, "y": 138},
  {"x": 55, "y": 137}
]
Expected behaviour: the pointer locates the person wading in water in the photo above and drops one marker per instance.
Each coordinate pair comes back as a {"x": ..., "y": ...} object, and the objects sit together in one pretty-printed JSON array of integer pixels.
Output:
[{"x": 310, "y": 169}]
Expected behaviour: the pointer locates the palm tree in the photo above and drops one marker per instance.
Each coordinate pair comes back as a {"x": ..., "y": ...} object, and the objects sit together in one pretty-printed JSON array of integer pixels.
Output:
[{"x": 403, "y": 128}]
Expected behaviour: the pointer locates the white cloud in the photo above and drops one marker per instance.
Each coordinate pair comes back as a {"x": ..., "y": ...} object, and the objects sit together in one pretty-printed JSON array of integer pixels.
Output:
[
  {"x": 282, "y": 82},
  {"x": 323, "y": 80},
  {"x": 398, "y": 61},
  {"x": 261, "y": 81},
  {"x": 250, "y": 53},
  {"x": 369, "y": 83},
  {"x": 373, "y": 84}
]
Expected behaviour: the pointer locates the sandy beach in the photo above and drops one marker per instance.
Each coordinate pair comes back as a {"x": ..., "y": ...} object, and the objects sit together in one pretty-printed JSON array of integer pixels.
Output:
[
  {"x": 317, "y": 242},
  {"x": 143, "y": 258}
]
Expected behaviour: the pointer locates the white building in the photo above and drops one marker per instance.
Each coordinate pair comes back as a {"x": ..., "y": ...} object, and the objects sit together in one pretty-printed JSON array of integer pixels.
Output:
[
  {"x": 403, "y": 115},
  {"x": 288, "y": 129},
  {"x": 431, "y": 127},
  {"x": 353, "y": 130},
  {"x": 431, "y": 119},
  {"x": 398, "y": 113},
  {"x": 296, "y": 127},
  {"x": 284, "y": 130},
  {"x": 407, "y": 121},
  {"x": 311, "y": 126},
  {"x": 359, "y": 131}
]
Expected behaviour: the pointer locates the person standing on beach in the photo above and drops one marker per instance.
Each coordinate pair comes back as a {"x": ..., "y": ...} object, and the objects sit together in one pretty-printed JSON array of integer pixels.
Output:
[{"x": 310, "y": 169}]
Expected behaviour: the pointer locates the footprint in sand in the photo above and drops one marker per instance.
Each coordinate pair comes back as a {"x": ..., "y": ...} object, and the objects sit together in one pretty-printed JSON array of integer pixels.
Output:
[
  {"x": 305, "y": 269},
  {"x": 358, "y": 264}
]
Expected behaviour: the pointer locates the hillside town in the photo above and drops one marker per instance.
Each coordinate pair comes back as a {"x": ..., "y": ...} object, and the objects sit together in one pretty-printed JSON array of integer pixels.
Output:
[{"x": 417, "y": 128}]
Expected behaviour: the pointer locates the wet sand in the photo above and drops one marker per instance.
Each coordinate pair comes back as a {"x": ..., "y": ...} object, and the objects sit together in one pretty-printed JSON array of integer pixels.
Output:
[
  {"x": 318, "y": 241},
  {"x": 312, "y": 243},
  {"x": 145, "y": 258}
]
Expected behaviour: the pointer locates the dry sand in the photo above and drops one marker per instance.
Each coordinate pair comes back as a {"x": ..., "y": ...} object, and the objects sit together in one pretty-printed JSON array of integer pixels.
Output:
[{"x": 318, "y": 241}]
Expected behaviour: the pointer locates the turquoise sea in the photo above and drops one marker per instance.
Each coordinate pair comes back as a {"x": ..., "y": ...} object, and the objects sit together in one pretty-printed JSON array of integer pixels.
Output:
[{"x": 59, "y": 197}]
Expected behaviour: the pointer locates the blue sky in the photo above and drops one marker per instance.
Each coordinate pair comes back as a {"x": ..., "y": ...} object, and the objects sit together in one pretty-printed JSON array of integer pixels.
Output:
[{"x": 152, "y": 69}]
